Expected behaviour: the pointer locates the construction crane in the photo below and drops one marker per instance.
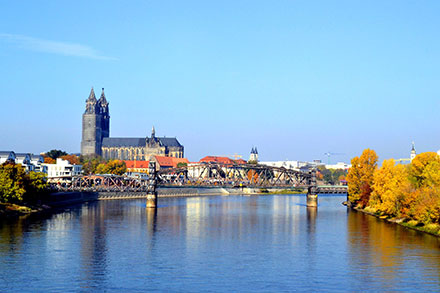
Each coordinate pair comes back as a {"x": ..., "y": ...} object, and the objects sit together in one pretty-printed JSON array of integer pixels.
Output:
[
  {"x": 328, "y": 154},
  {"x": 235, "y": 156}
]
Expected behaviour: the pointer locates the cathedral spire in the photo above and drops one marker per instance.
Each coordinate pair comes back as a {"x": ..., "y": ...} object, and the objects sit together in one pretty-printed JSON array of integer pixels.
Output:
[
  {"x": 92, "y": 96},
  {"x": 102, "y": 99},
  {"x": 153, "y": 132},
  {"x": 91, "y": 103}
]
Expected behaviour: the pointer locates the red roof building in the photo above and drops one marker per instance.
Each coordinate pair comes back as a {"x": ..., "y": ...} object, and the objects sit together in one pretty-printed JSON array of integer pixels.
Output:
[
  {"x": 221, "y": 160},
  {"x": 137, "y": 166},
  {"x": 168, "y": 162}
]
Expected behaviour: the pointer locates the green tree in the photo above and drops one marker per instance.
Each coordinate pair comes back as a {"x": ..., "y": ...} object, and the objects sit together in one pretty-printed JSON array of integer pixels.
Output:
[
  {"x": 12, "y": 182},
  {"x": 54, "y": 154},
  {"x": 36, "y": 187},
  {"x": 89, "y": 166}
]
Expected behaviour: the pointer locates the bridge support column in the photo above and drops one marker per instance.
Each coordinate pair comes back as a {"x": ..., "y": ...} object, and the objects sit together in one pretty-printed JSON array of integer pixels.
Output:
[
  {"x": 152, "y": 185},
  {"x": 152, "y": 200},
  {"x": 312, "y": 194}
]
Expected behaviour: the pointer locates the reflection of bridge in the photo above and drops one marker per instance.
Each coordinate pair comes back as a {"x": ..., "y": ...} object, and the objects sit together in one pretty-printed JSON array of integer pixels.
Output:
[{"x": 205, "y": 174}]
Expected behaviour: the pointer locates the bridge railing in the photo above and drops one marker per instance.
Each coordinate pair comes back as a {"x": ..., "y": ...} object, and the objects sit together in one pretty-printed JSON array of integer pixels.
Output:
[{"x": 206, "y": 174}]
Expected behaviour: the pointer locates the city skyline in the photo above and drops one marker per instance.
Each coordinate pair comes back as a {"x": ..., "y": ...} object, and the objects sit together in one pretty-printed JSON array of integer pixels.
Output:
[{"x": 295, "y": 79}]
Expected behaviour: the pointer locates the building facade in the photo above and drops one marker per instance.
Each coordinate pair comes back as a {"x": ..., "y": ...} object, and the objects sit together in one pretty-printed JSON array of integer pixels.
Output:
[
  {"x": 62, "y": 168},
  {"x": 96, "y": 140}
]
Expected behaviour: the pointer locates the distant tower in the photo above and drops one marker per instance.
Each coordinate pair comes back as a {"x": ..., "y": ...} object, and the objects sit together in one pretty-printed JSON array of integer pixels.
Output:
[
  {"x": 95, "y": 124},
  {"x": 413, "y": 152},
  {"x": 254, "y": 155},
  {"x": 103, "y": 111},
  {"x": 153, "y": 132}
]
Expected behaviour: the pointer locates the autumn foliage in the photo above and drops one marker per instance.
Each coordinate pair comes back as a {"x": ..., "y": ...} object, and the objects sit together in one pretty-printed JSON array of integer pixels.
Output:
[
  {"x": 17, "y": 186},
  {"x": 360, "y": 177},
  {"x": 410, "y": 192}
]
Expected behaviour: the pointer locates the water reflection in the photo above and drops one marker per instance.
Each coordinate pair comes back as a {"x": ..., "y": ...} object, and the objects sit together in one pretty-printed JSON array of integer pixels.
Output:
[
  {"x": 234, "y": 243},
  {"x": 395, "y": 255},
  {"x": 93, "y": 245}
]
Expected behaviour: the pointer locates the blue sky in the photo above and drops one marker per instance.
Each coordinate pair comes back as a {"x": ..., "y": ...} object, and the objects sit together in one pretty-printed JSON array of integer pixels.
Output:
[{"x": 294, "y": 78}]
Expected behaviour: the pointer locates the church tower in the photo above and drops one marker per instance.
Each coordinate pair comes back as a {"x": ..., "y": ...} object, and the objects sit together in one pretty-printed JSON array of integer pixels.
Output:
[
  {"x": 95, "y": 124},
  {"x": 413, "y": 152},
  {"x": 254, "y": 155},
  {"x": 103, "y": 111}
]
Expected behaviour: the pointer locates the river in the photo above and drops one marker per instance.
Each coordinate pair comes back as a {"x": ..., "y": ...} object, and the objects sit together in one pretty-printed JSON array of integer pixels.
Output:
[{"x": 218, "y": 244}]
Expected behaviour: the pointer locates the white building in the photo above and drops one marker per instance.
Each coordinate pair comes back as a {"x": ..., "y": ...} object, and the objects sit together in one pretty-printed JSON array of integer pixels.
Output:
[
  {"x": 293, "y": 165},
  {"x": 62, "y": 168},
  {"x": 38, "y": 162},
  {"x": 25, "y": 160},
  {"x": 7, "y": 156},
  {"x": 339, "y": 165}
]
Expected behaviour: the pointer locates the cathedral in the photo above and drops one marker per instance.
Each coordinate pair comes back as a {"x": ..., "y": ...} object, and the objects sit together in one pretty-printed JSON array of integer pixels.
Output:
[{"x": 96, "y": 140}]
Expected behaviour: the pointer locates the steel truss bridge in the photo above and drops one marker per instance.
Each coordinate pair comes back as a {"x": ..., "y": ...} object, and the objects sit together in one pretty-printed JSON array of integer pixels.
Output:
[{"x": 204, "y": 174}]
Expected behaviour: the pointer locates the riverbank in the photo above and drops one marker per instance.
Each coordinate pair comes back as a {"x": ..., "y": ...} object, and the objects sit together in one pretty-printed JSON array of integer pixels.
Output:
[
  {"x": 281, "y": 191},
  {"x": 9, "y": 210},
  {"x": 432, "y": 229}
]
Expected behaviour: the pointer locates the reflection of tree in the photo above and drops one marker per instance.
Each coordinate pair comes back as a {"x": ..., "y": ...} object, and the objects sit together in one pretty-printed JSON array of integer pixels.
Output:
[{"x": 379, "y": 251}]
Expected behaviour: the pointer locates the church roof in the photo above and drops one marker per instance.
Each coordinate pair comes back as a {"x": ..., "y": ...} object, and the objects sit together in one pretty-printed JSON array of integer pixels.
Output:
[
  {"x": 169, "y": 141},
  {"x": 137, "y": 141}
]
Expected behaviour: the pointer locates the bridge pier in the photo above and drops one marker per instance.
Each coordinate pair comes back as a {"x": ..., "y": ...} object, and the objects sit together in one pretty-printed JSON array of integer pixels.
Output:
[
  {"x": 152, "y": 185},
  {"x": 152, "y": 200},
  {"x": 312, "y": 194},
  {"x": 312, "y": 200}
]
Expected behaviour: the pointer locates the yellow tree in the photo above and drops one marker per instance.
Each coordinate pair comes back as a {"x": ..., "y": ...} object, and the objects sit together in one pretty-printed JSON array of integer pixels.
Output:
[
  {"x": 360, "y": 177},
  {"x": 116, "y": 167},
  {"x": 101, "y": 169},
  {"x": 73, "y": 159},
  {"x": 425, "y": 170},
  {"x": 387, "y": 186},
  {"x": 423, "y": 201}
]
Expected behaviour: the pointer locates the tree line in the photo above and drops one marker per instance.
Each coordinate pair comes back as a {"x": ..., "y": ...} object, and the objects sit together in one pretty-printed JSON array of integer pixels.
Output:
[
  {"x": 90, "y": 165},
  {"x": 409, "y": 192},
  {"x": 17, "y": 186}
]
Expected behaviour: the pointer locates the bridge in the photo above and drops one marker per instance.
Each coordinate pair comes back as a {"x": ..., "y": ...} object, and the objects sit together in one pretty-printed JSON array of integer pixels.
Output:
[{"x": 202, "y": 175}]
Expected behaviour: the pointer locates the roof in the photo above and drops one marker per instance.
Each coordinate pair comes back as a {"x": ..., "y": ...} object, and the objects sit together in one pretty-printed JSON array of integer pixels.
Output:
[
  {"x": 221, "y": 160},
  {"x": 164, "y": 161},
  {"x": 214, "y": 159},
  {"x": 137, "y": 164},
  {"x": 169, "y": 141},
  {"x": 176, "y": 161},
  {"x": 10, "y": 155},
  {"x": 240, "y": 161},
  {"x": 137, "y": 141},
  {"x": 170, "y": 161}
]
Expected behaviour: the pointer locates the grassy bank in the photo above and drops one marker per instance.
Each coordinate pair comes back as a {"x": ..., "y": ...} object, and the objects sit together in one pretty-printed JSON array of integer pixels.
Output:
[
  {"x": 283, "y": 191},
  {"x": 8, "y": 210},
  {"x": 433, "y": 229}
]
